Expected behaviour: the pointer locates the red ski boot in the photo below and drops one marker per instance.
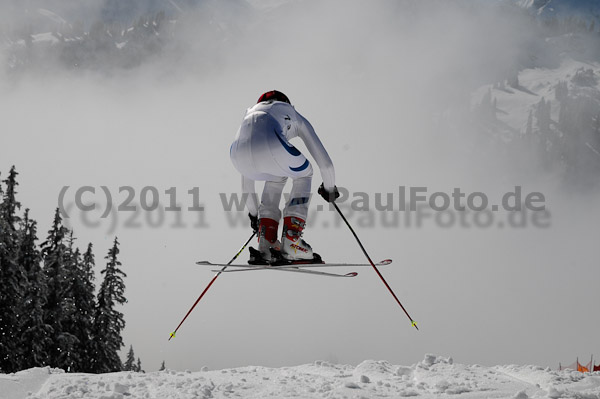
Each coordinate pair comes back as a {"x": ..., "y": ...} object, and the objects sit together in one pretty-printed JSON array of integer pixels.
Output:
[
  {"x": 267, "y": 239},
  {"x": 293, "y": 247}
]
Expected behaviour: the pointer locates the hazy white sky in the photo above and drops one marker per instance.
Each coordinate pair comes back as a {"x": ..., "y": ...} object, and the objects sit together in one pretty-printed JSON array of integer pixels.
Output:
[{"x": 374, "y": 80}]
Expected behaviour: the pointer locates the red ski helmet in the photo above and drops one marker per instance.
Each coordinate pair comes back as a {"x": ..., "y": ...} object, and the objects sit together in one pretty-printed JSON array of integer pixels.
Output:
[{"x": 274, "y": 95}]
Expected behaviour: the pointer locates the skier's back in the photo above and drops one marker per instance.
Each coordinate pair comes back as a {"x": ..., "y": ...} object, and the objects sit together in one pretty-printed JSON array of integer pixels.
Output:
[{"x": 261, "y": 151}]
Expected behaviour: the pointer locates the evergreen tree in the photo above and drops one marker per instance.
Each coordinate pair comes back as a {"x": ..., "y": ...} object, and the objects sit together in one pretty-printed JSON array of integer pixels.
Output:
[
  {"x": 130, "y": 362},
  {"x": 529, "y": 127},
  {"x": 9, "y": 206},
  {"x": 162, "y": 366},
  {"x": 561, "y": 91},
  {"x": 513, "y": 80},
  {"x": 83, "y": 294},
  {"x": 138, "y": 366},
  {"x": 35, "y": 332},
  {"x": 108, "y": 322},
  {"x": 80, "y": 303},
  {"x": 543, "y": 116},
  {"x": 59, "y": 308},
  {"x": 11, "y": 279},
  {"x": 71, "y": 357},
  {"x": 87, "y": 265},
  {"x": 563, "y": 116},
  {"x": 488, "y": 106}
]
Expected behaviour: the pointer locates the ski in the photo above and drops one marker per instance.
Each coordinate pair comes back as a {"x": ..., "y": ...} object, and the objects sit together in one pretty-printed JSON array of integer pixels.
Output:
[
  {"x": 296, "y": 265},
  {"x": 288, "y": 268}
]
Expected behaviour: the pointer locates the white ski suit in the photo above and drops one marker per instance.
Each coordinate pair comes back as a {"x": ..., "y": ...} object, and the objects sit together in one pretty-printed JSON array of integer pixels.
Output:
[{"x": 261, "y": 151}]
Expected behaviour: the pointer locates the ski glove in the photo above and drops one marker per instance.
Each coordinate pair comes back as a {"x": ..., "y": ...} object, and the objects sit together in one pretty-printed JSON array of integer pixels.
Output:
[
  {"x": 253, "y": 222},
  {"x": 327, "y": 196}
]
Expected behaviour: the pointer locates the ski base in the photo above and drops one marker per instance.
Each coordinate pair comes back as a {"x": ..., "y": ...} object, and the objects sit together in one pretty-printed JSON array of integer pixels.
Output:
[
  {"x": 296, "y": 267},
  {"x": 293, "y": 269},
  {"x": 384, "y": 262}
]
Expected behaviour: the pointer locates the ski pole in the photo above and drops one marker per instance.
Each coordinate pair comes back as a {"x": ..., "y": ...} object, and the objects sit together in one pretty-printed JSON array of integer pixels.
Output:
[
  {"x": 412, "y": 322},
  {"x": 211, "y": 283}
]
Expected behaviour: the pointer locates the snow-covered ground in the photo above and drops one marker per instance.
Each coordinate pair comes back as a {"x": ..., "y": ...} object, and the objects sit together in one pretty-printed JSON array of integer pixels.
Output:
[{"x": 431, "y": 378}]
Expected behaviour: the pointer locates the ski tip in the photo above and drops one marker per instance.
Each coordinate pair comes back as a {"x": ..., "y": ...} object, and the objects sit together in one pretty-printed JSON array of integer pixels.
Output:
[
  {"x": 385, "y": 262},
  {"x": 351, "y": 274},
  {"x": 203, "y": 262}
]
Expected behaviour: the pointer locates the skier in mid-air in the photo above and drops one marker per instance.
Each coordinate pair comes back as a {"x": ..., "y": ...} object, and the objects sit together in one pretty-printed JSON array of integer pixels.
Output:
[{"x": 261, "y": 152}]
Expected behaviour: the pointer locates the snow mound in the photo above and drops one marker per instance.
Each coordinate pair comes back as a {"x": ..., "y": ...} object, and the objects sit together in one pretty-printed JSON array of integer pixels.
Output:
[
  {"x": 375, "y": 370},
  {"x": 431, "y": 360},
  {"x": 433, "y": 377},
  {"x": 26, "y": 382}
]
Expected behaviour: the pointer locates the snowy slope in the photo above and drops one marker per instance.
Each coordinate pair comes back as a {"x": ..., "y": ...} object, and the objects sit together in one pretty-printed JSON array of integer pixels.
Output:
[{"x": 432, "y": 378}]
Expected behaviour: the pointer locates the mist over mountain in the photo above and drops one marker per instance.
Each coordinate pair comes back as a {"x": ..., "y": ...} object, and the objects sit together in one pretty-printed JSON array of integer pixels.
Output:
[
  {"x": 139, "y": 29},
  {"x": 588, "y": 10},
  {"x": 41, "y": 14},
  {"x": 491, "y": 44}
]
